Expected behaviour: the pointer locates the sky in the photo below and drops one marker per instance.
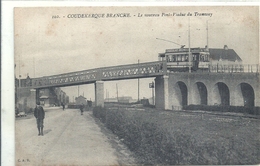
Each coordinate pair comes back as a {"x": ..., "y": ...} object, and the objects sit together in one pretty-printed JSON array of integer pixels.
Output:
[{"x": 46, "y": 45}]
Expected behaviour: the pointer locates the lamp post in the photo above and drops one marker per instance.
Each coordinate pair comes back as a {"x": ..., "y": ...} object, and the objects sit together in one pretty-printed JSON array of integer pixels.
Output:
[
  {"x": 19, "y": 86},
  {"x": 151, "y": 85}
]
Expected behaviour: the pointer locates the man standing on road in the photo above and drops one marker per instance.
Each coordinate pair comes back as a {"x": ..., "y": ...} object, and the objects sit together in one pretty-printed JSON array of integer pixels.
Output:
[
  {"x": 63, "y": 106},
  {"x": 39, "y": 115},
  {"x": 81, "y": 107}
]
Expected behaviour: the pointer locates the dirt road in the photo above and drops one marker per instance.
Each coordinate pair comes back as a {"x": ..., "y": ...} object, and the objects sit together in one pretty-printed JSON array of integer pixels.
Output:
[{"x": 69, "y": 139}]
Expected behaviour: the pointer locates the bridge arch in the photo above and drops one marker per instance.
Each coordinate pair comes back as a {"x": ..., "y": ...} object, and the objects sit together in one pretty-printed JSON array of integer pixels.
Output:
[
  {"x": 182, "y": 93},
  {"x": 247, "y": 94},
  {"x": 201, "y": 94},
  {"x": 221, "y": 94}
]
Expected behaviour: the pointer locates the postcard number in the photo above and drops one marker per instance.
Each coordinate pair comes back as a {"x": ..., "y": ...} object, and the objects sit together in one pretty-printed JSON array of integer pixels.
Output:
[{"x": 55, "y": 16}]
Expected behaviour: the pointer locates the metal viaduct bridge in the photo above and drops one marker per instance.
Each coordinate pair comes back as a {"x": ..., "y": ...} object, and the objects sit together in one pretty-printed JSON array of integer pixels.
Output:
[
  {"x": 219, "y": 85},
  {"x": 141, "y": 70},
  {"x": 97, "y": 76}
]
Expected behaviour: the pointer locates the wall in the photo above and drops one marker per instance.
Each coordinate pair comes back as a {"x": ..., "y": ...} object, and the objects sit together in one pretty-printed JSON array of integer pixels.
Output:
[
  {"x": 162, "y": 92},
  {"x": 213, "y": 82},
  {"x": 26, "y": 99}
]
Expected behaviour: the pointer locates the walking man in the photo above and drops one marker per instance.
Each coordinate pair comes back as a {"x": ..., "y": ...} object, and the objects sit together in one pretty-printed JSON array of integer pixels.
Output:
[
  {"x": 39, "y": 115},
  {"x": 81, "y": 107},
  {"x": 63, "y": 106}
]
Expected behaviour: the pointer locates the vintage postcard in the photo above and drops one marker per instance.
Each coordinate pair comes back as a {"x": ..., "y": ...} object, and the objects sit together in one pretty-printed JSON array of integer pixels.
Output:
[{"x": 140, "y": 85}]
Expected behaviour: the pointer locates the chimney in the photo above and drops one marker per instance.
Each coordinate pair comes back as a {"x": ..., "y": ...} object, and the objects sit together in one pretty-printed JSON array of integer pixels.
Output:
[
  {"x": 206, "y": 47},
  {"x": 225, "y": 47}
]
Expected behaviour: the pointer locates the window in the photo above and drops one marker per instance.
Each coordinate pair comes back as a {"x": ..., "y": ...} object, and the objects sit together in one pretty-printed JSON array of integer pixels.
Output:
[
  {"x": 167, "y": 58},
  {"x": 206, "y": 58},
  {"x": 186, "y": 58},
  {"x": 202, "y": 59},
  {"x": 174, "y": 58},
  {"x": 178, "y": 58},
  {"x": 182, "y": 58},
  {"x": 194, "y": 57}
]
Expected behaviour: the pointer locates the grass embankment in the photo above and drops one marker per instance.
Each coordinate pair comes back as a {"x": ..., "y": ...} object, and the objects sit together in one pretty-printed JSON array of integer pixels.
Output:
[{"x": 160, "y": 137}]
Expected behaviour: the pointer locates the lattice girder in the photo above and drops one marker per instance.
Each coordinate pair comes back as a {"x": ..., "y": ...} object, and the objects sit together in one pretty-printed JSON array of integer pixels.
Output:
[{"x": 149, "y": 69}]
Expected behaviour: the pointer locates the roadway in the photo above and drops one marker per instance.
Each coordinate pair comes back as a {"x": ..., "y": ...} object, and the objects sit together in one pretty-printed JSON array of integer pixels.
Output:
[{"x": 69, "y": 139}]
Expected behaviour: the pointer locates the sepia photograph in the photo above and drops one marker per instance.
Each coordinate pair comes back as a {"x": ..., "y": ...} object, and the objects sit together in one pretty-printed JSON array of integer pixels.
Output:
[{"x": 136, "y": 85}]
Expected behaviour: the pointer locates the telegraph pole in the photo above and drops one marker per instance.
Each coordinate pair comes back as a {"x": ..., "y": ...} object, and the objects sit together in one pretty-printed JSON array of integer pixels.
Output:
[
  {"x": 19, "y": 80},
  {"x": 78, "y": 90},
  {"x": 138, "y": 82},
  {"x": 153, "y": 91},
  {"x": 108, "y": 96},
  {"x": 117, "y": 92},
  {"x": 33, "y": 68},
  {"x": 106, "y": 93},
  {"x": 207, "y": 35},
  {"x": 189, "y": 55}
]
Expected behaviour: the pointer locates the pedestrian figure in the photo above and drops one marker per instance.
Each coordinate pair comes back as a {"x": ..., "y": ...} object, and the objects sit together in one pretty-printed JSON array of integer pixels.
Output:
[
  {"x": 63, "y": 106},
  {"x": 81, "y": 107},
  {"x": 16, "y": 110},
  {"x": 39, "y": 115}
]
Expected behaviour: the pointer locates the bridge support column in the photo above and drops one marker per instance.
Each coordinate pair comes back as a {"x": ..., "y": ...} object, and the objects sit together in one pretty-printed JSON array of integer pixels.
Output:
[
  {"x": 236, "y": 97},
  {"x": 162, "y": 92},
  {"x": 99, "y": 93},
  {"x": 256, "y": 89},
  {"x": 33, "y": 98},
  {"x": 212, "y": 96},
  {"x": 193, "y": 94},
  {"x": 257, "y": 96}
]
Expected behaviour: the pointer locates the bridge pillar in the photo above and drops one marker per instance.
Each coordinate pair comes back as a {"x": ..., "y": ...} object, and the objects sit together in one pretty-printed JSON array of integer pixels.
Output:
[
  {"x": 162, "y": 92},
  {"x": 99, "y": 93},
  {"x": 236, "y": 97},
  {"x": 257, "y": 90},
  {"x": 33, "y": 98},
  {"x": 191, "y": 92},
  {"x": 212, "y": 95},
  {"x": 257, "y": 97}
]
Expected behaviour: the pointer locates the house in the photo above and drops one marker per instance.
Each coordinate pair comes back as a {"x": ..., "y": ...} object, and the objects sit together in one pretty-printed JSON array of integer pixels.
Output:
[
  {"x": 47, "y": 97},
  {"x": 125, "y": 99},
  {"x": 224, "y": 56},
  {"x": 81, "y": 100},
  {"x": 111, "y": 100}
]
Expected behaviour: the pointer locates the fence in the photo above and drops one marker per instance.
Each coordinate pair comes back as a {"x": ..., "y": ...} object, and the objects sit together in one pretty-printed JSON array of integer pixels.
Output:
[{"x": 234, "y": 68}]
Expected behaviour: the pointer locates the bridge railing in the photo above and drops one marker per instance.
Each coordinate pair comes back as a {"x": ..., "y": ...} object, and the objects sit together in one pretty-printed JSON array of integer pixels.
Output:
[
  {"x": 63, "y": 79},
  {"x": 105, "y": 73},
  {"x": 234, "y": 68},
  {"x": 134, "y": 70}
]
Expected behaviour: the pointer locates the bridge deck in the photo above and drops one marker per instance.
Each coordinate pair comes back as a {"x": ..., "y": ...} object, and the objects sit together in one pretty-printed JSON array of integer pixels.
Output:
[
  {"x": 141, "y": 70},
  {"x": 131, "y": 71}
]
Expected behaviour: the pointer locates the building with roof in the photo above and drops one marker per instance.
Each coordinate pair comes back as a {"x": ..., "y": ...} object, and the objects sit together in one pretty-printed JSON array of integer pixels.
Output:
[
  {"x": 81, "y": 100},
  {"x": 48, "y": 97},
  {"x": 52, "y": 97},
  {"x": 224, "y": 56}
]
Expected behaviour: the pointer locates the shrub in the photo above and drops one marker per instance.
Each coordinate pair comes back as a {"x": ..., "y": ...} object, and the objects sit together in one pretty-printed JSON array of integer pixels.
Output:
[
  {"x": 100, "y": 113},
  {"x": 150, "y": 135},
  {"x": 153, "y": 144},
  {"x": 221, "y": 108}
]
